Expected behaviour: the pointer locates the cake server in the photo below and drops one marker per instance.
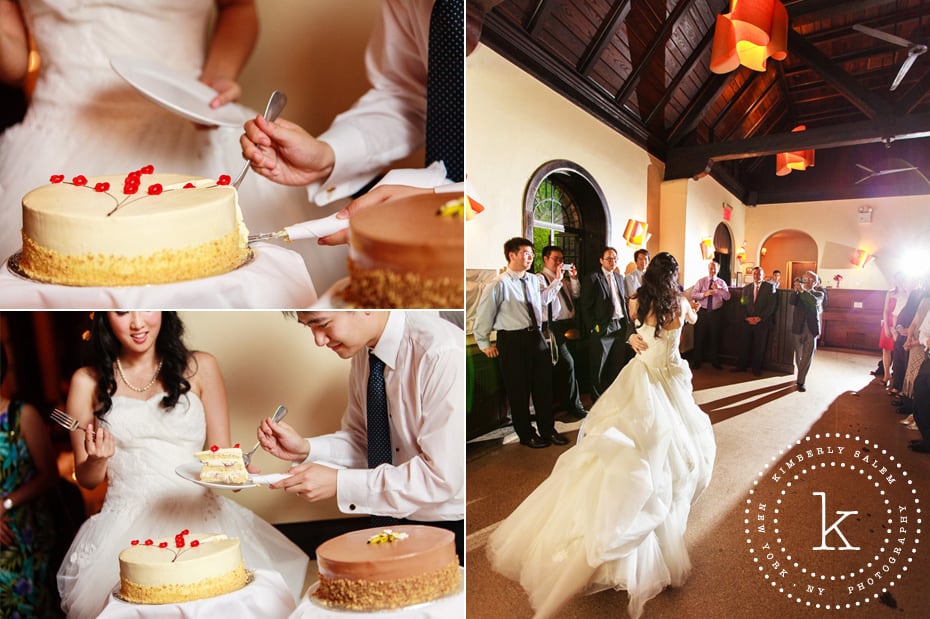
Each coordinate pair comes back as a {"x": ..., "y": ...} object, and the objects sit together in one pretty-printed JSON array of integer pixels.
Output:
[
  {"x": 278, "y": 416},
  {"x": 312, "y": 229},
  {"x": 273, "y": 109}
]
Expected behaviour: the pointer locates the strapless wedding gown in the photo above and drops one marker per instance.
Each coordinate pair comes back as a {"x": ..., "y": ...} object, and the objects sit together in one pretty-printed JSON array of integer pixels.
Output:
[
  {"x": 83, "y": 118},
  {"x": 146, "y": 499},
  {"x": 613, "y": 512}
]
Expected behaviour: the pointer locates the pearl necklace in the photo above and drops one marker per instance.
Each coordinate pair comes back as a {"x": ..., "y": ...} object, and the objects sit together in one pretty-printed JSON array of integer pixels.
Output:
[{"x": 119, "y": 368}]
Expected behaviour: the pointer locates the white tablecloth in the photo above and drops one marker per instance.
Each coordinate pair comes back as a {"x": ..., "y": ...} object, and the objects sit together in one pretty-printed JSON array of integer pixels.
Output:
[
  {"x": 266, "y": 597},
  {"x": 449, "y": 607},
  {"x": 276, "y": 278}
]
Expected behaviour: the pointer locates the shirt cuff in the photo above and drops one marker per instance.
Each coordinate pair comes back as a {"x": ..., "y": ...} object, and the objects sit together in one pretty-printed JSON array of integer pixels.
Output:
[{"x": 352, "y": 491}]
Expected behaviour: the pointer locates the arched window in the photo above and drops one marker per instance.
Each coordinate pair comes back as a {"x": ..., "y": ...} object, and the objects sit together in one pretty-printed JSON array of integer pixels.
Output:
[{"x": 564, "y": 206}]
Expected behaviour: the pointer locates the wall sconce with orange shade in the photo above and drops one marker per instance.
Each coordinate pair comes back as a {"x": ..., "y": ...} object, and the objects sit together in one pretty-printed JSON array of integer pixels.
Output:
[
  {"x": 707, "y": 249},
  {"x": 796, "y": 160},
  {"x": 751, "y": 33},
  {"x": 636, "y": 234},
  {"x": 861, "y": 258},
  {"x": 741, "y": 253}
]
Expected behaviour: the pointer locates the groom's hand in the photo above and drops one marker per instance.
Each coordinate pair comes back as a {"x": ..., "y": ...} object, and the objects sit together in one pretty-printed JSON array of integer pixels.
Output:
[{"x": 282, "y": 441}]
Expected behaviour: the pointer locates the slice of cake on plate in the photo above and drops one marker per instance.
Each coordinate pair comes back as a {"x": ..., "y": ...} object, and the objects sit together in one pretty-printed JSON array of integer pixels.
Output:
[{"x": 222, "y": 465}]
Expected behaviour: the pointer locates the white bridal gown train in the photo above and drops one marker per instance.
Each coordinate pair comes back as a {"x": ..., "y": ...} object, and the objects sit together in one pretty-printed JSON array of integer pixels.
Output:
[{"x": 613, "y": 512}]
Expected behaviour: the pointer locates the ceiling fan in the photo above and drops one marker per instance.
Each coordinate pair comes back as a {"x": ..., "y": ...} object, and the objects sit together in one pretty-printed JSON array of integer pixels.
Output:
[
  {"x": 902, "y": 166},
  {"x": 913, "y": 49}
]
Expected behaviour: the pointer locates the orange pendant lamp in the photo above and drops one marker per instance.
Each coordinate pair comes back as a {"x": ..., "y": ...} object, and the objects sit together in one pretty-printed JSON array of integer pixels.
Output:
[
  {"x": 861, "y": 258},
  {"x": 751, "y": 33},
  {"x": 635, "y": 233},
  {"x": 796, "y": 160}
]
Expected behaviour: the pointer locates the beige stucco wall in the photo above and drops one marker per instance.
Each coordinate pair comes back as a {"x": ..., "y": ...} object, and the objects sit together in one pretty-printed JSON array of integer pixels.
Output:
[
  {"x": 267, "y": 360},
  {"x": 515, "y": 124}
]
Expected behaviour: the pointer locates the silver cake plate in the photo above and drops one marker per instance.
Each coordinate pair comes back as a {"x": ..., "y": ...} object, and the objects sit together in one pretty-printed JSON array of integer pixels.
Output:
[
  {"x": 249, "y": 578},
  {"x": 14, "y": 267}
]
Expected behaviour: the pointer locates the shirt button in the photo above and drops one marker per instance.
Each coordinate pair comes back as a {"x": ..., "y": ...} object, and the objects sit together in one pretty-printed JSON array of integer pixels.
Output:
[{"x": 352, "y": 507}]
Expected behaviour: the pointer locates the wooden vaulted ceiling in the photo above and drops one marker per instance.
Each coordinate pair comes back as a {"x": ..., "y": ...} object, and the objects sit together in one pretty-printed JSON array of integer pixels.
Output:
[{"x": 642, "y": 67}]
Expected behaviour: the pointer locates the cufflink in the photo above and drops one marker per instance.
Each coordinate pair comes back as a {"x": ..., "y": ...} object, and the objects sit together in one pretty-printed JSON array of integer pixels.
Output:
[
  {"x": 7, "y": 503},
  {"x": 351, "y": 507}
]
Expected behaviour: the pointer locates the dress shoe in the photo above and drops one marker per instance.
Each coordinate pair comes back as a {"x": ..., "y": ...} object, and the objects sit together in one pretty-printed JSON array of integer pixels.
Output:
[
  {"x": 897, "y": 402},
  {"x": 920, "y": 447},
  {"x": 916, "y": 441},
  {"x": 903, "y": 410},
  {"x": 578, "y": 413},
  {"x": 535, "y": 442},
  {"x": 802, "y": 388},
  {"x": 557, "y": 439}
]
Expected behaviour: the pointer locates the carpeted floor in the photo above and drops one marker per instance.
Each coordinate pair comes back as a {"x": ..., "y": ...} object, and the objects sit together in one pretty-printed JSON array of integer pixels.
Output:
[{"x": 757, "y": 422}]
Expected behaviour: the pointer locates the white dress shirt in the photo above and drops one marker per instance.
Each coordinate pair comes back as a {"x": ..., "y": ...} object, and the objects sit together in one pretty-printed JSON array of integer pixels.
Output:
[
  {"x": 389, "y": 121},
  {"x": 424, "y": 377},
  {"x": 502, "y": 305},
  {"x": 632, "y": 282},
  {"x": 560, "y": 309},
  {"x": 615, "y": 296}
]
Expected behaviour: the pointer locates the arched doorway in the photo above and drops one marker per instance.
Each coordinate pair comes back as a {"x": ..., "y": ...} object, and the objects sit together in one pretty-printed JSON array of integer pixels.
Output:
[
  {"x": 723, "y": 252},
  {"x": 564, "y": 206},
  {"x": 790, "y": 251}
]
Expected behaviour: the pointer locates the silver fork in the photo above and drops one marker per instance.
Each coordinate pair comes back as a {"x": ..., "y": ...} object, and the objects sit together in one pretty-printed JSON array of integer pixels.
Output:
[
  {"x": 66, "y": 421},
  {"x": 273, "y": 109},
  {"x": 278, "y": 416}
]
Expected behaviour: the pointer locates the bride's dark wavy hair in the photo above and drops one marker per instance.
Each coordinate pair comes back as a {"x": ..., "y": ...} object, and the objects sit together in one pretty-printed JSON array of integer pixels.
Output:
[
  {"x": 659, "y": 292},
  {"x": 169, "y": 347}
]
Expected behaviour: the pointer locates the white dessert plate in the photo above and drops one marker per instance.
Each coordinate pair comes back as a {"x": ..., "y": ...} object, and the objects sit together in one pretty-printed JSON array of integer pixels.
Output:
[
  {"x": 191, "y": 472},
  {"x": 179, "y": 93}
]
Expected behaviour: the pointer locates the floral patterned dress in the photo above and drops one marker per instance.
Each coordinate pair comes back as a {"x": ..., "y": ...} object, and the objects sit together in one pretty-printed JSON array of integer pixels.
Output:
[{"x": 25, "y": 584}]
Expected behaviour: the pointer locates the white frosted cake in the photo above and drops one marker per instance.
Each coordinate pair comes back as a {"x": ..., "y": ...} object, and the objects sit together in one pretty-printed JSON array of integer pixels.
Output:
[
  {"x": 189, "y": 566},
  {"x": 132, "y": 229},
  {"x": 222, "y": 465}
]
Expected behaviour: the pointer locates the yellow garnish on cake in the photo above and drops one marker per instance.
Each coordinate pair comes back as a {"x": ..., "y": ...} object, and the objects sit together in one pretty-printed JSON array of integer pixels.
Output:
[
  {"x": 452, "y": 208},
  {"x": 386, "y": 537}
]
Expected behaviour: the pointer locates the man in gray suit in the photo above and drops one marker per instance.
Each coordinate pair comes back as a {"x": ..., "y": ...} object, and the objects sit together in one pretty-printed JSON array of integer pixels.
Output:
[
  {"x": 605, "y": 318},
  {"x": 758, "y": 304},
  {"x": 805, "y": 322}
]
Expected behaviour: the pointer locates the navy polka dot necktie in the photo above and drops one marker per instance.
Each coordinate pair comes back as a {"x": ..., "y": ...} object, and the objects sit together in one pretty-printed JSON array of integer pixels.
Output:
[
  {"x": 379, "y": 429},
  {"x": 445, "y": 91}
]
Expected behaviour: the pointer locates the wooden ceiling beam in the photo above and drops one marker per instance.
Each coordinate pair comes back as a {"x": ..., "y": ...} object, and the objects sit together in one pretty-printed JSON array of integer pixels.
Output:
[
  {"x": 658, "y": 43},
  {"x": 682, "y": 73},
  {"x": 691, "y": 161},
  {"x": 710, "y": 92},
  {"x": 539, "y": 16},
  {"x": 605, "y": 33},
  {"x": 828, "y": 9},
  {"x": 871, "y": 105}
]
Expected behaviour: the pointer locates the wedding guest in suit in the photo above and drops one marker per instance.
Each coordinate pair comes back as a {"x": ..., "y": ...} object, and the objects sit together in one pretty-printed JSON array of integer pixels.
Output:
[
  {"x": 559, "y": 316},
  {"x": 402, "y": 451},
  {"x": 709, "y": 293},
  {"x": 605, "y": 318},
  {"x": 758, "y": 303},
  {"x": 634, "y": 279},
  {"x": 805, "y": 323},
  {"x": 775, "y": 280},
  {"x": 512, "y": 305}
]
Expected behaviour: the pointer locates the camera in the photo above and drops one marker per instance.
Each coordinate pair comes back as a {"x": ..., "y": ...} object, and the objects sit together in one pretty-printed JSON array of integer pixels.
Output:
[
  {"x": 797, "y": 280},
  {"x": 567, "y": 267}
]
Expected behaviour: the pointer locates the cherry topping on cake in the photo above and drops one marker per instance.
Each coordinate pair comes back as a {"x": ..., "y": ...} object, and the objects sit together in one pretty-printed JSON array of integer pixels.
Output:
[
  {"x": 189, "y": 185},
  {"x": 236, "y": 446},
  {"x": 147, "y": 169},
  {"x": 134, "y": 542},
  {"x": 185, "y": 532},
  {"x": 102, "y": 187},
  {"x": 214, "y": 448},
  {"x": 57, "y": 178},
  {"x": 79, "y": 180},
  {"x": 195, "y": 543},
  {"x": 163, "y": 545},
  {"x": 149, "y": 542},
  {"x": 135, "y": 175},
  {"x": 155, "y": 189},
  {"x": 224, "y": 179}
]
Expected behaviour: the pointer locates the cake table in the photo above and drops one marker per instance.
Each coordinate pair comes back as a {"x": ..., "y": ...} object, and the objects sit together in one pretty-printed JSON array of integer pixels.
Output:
[
  {"x": 275, "y": 278},
  {"x": 448, "y": 607},
  {"x": 266, "y": 597}
]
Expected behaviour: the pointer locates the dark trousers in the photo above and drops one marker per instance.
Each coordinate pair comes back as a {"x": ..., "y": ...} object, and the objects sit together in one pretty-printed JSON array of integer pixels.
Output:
[
  {"x": 707, "y": 336},
  {"x": 526, "y": 369},
  {"x": 565, "y": 385},
  {"x": 899, "y": 362},
  {"x": 921, "y": 400},
  {"x": 754, "y": 339},
  {"x": 608, "y": 355}
]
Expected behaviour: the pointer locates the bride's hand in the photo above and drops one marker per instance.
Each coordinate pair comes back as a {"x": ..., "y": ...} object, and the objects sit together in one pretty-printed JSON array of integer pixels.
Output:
[{"x": 98, "y": 443}]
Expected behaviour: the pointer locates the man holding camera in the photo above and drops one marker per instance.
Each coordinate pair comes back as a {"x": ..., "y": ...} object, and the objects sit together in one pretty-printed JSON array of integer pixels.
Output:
[{"x": 805, "y": 322}]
